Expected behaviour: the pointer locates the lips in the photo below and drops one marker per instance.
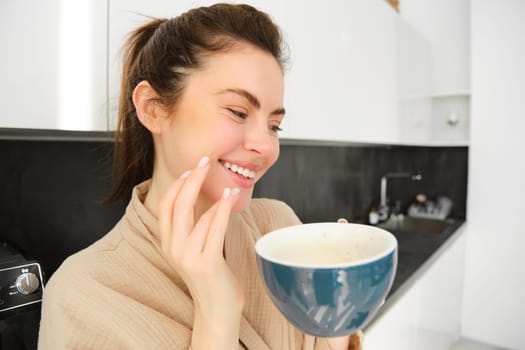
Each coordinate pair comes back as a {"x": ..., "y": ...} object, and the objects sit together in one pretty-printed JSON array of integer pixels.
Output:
[
  {"x": 247, "y": 173},
  {"x": 242, "y": 173}
]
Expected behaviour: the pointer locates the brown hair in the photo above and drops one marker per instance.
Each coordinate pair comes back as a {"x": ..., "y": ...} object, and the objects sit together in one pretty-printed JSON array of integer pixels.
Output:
[{"x": 162, "y": 52}]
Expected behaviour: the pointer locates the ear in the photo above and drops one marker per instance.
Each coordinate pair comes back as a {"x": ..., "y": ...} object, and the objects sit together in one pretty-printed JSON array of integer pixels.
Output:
[{"x": 149, "y": 112}]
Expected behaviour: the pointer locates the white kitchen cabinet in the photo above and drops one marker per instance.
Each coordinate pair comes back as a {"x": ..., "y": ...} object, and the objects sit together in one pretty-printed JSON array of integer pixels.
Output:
[
  {"x": 53, "y": 64},
  {"x": 342, "y": 78},
  {"x": 445, "y": 25},
  {"x": 414, "y": 64},
  {"x": 396, "y": 329},
  {"x": 342, "y": 84},
  {"x": 427, "y": 315}
]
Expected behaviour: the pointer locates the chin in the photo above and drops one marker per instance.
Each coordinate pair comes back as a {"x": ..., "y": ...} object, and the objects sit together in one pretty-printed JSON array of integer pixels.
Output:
[{"x": 242, "y": 203}]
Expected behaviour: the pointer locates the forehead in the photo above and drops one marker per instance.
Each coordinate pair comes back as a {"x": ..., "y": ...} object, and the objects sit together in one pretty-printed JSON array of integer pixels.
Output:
[
  {"x": 242, "y": 66},
  {"x": 242, "y": 49}
]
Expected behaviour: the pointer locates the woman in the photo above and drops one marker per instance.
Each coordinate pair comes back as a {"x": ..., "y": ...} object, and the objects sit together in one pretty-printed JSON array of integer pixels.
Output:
[{"x": 200, "y": 109}]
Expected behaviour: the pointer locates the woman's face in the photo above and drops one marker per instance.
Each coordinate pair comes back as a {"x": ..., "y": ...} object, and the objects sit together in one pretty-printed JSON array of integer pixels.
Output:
[{"x": 230, "y": 111}]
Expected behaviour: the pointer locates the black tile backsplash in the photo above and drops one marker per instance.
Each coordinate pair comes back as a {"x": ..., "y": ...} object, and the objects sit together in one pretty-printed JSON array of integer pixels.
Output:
[
  {"x": 51, "y": 190},
  {"x": 50, "y": 197},
  {"x": 323, "y": 183}
]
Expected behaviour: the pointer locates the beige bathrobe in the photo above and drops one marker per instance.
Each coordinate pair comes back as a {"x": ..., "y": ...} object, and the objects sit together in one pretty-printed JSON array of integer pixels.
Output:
[{"x": 121, "y": 293}]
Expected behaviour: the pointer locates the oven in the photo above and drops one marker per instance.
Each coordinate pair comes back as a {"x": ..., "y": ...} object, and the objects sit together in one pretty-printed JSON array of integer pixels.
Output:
[{"x": 21, "y": 288}]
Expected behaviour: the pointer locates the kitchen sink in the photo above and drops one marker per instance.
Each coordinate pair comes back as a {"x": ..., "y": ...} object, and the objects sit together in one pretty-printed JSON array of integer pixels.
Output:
[{"x": 416, "y": 225}]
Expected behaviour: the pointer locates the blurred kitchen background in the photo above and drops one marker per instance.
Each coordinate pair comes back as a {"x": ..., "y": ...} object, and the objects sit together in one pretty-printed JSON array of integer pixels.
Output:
[{"x": 373, "y": 87}]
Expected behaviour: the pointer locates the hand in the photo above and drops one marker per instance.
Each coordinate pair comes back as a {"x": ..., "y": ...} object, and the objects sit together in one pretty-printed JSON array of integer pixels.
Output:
[
  {"x": 351, "y": 342},
  {"x": 195, "y": 250}
]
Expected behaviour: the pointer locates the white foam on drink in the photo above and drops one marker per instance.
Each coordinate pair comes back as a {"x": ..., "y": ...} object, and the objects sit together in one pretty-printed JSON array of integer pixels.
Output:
[{"x": 325, "y": 244}]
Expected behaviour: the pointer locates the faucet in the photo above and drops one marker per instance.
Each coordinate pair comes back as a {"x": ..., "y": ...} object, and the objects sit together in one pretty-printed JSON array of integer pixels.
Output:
[{"x": 384, "y": 210}]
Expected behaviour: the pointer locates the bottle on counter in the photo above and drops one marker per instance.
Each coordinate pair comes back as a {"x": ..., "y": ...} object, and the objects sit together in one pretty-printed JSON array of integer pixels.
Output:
[
  {"x": 421, "y": 199},
  {"x": 373, "y": 216}
]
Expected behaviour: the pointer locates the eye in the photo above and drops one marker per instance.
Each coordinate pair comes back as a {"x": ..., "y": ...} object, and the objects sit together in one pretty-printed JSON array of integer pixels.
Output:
[
  {"x": 237, "y": 113},
  {"x": 275, "y": 128}
]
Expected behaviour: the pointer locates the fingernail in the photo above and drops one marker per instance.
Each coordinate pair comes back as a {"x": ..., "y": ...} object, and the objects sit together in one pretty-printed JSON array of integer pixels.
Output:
[
  {"x": 202, "y": 163},
  {"x": 185, "y": 174},
  {"x": 235, "y": 191},
  {"x": 226, "y": 193}
]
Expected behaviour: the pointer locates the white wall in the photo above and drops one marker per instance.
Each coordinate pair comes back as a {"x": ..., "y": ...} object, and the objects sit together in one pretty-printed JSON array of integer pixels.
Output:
[{"x": 494, "y": 293}]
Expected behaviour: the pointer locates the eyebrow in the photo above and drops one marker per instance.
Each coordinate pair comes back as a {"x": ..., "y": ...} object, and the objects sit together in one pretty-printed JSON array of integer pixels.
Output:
[{"x": 254, "y": 101}]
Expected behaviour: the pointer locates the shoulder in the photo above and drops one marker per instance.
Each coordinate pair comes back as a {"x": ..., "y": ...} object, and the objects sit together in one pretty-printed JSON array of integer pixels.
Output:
[
  {"x": 271, "y": 214},
  {"x": 71, "y": 297},
  {"x": 86, "y": 274},
  {"x": 90, "y": 298},
  {"x": 79, "y": 273}
]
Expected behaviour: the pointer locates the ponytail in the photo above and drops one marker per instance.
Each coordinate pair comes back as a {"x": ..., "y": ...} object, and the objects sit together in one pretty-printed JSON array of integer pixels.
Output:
[{"x": 133, "y": 152}]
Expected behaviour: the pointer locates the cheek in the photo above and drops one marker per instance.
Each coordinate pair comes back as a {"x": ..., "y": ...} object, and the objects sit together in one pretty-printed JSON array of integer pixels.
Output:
[
  {"x": 272, "y": 156},
  {"x": 218, "y": 137},
  {"x": 276, "y": 151},
  {"x": 201, "y": 138}
]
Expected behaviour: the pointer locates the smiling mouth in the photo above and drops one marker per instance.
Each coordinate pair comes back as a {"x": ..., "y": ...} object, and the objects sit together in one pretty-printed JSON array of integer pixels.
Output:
[{"x": 247, "y": 173}]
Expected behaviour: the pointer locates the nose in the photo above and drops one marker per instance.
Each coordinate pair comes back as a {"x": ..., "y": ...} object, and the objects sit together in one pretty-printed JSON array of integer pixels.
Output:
[{"x": 258, "y": 137}]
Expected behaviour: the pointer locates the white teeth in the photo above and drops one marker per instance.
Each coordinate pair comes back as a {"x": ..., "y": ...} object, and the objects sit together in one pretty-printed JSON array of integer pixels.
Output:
[{"x": 240, "y": 170}]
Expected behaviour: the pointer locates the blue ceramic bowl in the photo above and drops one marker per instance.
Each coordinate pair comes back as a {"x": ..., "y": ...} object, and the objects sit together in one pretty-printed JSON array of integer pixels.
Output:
[{"x": 328, "y": 279}]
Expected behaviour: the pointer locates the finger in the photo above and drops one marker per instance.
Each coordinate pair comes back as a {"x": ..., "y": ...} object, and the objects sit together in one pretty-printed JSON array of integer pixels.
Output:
[
  {"x": 217, "y": 232},
  {"x": 197, "y": 239},
  {"x": 342, "y": 221},
  {"x": 183, "y": 207},
  {"x": 166, "y": 211}
]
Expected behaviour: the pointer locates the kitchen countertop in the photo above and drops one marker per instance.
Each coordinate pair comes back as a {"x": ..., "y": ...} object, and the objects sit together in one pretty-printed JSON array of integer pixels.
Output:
[{"x": 416, "y": 253}]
